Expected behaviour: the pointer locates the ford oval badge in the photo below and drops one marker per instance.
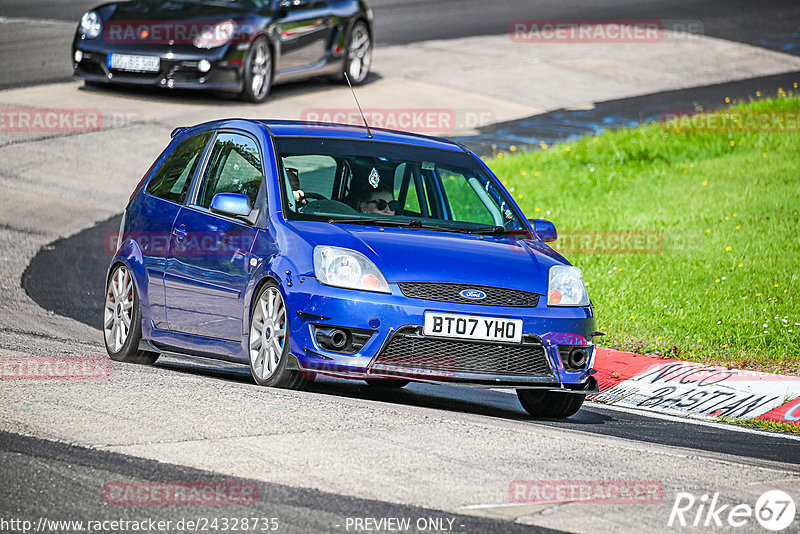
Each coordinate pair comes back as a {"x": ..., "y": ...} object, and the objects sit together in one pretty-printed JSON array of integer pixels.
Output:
[{"x": 473, "y": 294}]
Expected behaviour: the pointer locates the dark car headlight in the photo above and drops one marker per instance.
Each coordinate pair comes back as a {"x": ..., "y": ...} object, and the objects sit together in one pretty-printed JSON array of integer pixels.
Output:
[
  {"x": 91, "y": 25},
  {"x": 214, "y": 36}
]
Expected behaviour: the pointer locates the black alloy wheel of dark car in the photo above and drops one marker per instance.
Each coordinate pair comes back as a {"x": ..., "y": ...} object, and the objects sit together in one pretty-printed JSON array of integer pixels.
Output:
[
  {"x": 122, "y": 320},
  {"x": 358, "y": 58},
  {"x": 555, "y": 404},
  {"x": 258, "y": 71}
]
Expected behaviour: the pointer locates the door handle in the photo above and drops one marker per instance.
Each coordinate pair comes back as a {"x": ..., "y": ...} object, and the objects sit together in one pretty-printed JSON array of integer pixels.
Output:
[{"x": 179, "y": 233}]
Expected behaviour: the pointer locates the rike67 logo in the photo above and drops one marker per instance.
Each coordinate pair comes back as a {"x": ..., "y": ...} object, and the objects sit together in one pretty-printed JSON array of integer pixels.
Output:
[{"x": 774, "y": 510}]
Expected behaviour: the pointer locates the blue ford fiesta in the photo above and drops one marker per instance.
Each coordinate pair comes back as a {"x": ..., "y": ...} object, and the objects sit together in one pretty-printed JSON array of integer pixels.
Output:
[{"x": 301, "y": 249}]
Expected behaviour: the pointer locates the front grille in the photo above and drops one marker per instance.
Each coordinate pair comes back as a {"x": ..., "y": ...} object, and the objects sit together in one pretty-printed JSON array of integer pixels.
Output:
[
  {"x": 495, "y": 296},
  {"x": 411, "y": 353}
]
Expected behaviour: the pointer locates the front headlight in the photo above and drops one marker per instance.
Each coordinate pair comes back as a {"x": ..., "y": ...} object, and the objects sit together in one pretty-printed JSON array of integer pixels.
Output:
[
  {"x": 566, "y": 287},
  {"x": 217, "y": 35},
  {"x": 342, "y": 267},
  {"x": 91, "y": 25}
]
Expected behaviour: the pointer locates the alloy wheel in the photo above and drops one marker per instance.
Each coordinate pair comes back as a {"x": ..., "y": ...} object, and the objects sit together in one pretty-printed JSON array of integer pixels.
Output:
[
  {"x": 267, "y": 333},
  {"x": 118, "y": 313},
  {"x": 359, "y": 54},
  {"x": 260, "y": 69}
]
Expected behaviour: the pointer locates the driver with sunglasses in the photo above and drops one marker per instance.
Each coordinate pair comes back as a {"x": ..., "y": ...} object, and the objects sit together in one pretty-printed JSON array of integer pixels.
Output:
[{"x": 377, "y": 201}]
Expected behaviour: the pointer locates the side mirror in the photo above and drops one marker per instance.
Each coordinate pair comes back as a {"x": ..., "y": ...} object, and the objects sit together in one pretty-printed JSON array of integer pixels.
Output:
[
  {"x": 544, "y": 229},
  {"x": 231, "y": 204}
]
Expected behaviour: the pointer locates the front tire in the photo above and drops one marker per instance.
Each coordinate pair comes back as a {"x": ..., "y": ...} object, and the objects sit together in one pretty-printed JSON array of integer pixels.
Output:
[
  {"x": 269, "y": 342},
  {"x": 555, "y": 404},
  {"x": 122, "y": 320},
  {"x": 358, "y": 60},
  {"x": 257, "y": 71}
]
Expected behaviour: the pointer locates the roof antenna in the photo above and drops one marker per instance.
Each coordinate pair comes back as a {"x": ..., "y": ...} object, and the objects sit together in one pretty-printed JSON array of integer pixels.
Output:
[{"x": 369, "y": 133}]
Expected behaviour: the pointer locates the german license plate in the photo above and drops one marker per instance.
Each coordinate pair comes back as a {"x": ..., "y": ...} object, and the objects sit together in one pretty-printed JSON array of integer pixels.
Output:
[
  {"x": 473, "y": 327},
  {"x": 134, "y": 63}
]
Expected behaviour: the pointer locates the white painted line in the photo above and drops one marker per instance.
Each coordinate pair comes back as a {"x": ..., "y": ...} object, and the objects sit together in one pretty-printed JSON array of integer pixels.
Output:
[
  {"x": 24, "y": 20},
  {"x": 696, "y": 390},
  {"x": 679, "y": 419},
  {"x": 505, "y": 505},
  {"x": 723, "y": 426}
]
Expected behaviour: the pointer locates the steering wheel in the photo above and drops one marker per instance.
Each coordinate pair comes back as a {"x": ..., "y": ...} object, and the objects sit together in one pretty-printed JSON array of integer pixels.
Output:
[{"x": 315, "y": 196}]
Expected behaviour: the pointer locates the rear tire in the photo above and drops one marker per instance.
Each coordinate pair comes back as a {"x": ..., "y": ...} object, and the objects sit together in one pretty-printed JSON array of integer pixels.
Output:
[
  {"x": 122, "y": 320},
  {"x": 555, "y": 404},
  {"x": 268, "y": 343}
]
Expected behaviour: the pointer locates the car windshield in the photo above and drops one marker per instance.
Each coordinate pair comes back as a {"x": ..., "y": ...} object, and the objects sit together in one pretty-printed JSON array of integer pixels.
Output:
[
  {"x": 371, "y": 182},
  {"x": 246, "y": 3}
]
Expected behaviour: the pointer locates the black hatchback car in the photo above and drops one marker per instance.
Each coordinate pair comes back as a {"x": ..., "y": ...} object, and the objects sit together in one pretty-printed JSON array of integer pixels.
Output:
[{"x": 240, "y": 46}]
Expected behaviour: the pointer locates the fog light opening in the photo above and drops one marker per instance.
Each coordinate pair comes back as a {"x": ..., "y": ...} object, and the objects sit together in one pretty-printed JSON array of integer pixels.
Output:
[
  {"x": 332, "y": 338},
  {"x": 577, "y": 358},
  {"x": 204, "y": 65},
  {"x": 78, "y": 56}
]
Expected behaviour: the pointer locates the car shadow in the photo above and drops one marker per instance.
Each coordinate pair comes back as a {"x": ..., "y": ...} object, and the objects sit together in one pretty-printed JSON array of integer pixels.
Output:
[
  {"x": 212, "y": 97},
  {"x": 470, "y": 400}
]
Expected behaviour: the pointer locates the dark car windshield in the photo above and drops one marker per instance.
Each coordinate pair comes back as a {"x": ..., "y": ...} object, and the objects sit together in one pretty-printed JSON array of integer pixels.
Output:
[
  {"x": 247, "y": 3},
  {"x": 391, "y": 184}
]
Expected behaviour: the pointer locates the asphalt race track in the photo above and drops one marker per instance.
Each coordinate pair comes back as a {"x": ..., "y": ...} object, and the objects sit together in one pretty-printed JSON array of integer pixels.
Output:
[
  {"x": 79, "y": 295},
  {"x": 40, "y": 52},
  {"x": 340, "y": 450},
  {"x": 58, "y": 470}
]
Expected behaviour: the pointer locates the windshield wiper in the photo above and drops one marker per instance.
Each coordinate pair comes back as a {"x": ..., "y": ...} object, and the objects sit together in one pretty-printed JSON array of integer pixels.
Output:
[
  {"x": 400, "y": 223},
  {"x": 414, "y": 223},
  {"x": 487, "y": 230}
]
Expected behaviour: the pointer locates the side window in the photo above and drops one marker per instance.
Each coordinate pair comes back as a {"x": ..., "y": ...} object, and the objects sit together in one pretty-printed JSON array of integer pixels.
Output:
[
  {"x": 171, "y": 180},
  {"x": 234, "y": 167},
  {"x": 467, "y": 200}
]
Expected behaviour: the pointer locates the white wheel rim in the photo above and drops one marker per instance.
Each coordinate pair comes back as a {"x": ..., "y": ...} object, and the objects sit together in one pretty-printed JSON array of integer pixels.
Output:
[
  {"x": 260, "y": 69},
  {"x": 267, "y": 333},
  {"x": 360, "y": 54},
  {"x": 118, "y": 309}
]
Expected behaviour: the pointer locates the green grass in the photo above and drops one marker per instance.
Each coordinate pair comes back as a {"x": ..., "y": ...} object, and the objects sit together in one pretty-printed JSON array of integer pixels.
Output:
[
  {"x": 727, "y": 207},
  {"x": 763, "y": 424}
]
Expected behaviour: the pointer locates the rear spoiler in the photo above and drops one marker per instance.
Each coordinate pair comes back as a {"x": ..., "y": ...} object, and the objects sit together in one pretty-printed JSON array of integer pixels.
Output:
[{"x": 178, "y": 130}]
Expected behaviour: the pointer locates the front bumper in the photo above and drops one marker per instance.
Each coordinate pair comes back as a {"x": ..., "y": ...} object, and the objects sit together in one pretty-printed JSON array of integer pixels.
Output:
[
  {"x": 175, "y": 72},
  {"x": 397, "y": 349}
]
